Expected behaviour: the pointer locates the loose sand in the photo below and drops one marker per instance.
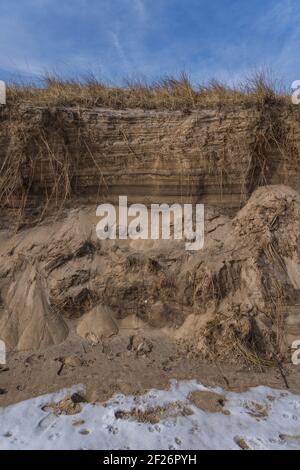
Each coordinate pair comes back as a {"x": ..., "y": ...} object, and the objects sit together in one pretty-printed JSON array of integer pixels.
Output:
[{"x": 129, "y": 315}]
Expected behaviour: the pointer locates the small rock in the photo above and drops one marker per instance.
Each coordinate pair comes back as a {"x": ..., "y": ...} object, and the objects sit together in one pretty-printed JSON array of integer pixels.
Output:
[
  {"x": 78, "y": 398},
  {"x": 80, "y": 422},
  {"x": 70, "y": 405},
  {"x": 240, "y": 441},
  {"x": 72, "y": 361},
  {"x": 84, "y": 432},
  {"x": 141, "y": 345}
]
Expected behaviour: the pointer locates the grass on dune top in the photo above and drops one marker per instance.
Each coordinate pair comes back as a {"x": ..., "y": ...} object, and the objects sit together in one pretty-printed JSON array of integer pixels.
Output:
[{"x": 169, "y": 93}]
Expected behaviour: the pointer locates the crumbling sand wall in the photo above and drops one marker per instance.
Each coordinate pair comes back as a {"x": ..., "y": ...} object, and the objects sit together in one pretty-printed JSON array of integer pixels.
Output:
[
  {"x": 218, "y": 156},
  {"x": 238, "y": 298}
]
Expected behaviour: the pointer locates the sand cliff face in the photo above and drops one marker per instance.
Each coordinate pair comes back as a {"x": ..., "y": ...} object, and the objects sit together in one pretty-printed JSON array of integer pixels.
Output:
[
  {"x": 218, "y": 156},
  {"x": 238, "y": 298}
]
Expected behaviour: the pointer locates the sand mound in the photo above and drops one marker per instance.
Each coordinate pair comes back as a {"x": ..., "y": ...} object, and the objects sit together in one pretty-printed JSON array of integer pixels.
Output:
[
  {"x": 26, "y": 319},
  {"x": 97, "y": 324},
  {"x": 251, "y": 286},
  {"x": 237, "y": 299}
]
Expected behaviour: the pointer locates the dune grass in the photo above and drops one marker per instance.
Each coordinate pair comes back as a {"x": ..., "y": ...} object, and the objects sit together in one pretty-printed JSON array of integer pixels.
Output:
[{"x": 168, "y": 93}]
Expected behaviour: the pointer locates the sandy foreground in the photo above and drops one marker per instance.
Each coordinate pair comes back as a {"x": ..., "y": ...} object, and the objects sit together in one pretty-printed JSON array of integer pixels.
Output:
[
  {"x": 125, "y": 319},
  {"x": 186, "y": 416}
]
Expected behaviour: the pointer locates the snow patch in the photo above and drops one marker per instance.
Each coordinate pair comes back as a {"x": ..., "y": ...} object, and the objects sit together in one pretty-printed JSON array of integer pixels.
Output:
[{"x": 261, "y": 418}]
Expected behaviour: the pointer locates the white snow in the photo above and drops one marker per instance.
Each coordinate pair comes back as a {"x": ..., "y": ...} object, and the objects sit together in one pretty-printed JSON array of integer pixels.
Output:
[{"x": 26, "y": 425}]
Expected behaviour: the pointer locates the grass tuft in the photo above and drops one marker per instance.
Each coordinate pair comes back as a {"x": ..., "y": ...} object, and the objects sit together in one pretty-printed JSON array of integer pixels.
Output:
[{"x": 167, "y": 93}]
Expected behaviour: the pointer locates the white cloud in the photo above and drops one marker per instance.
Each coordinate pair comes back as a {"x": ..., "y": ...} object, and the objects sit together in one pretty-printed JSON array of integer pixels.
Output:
[
  {"x": 120, "y": 50},
  {"x": 140, "y": 8}
]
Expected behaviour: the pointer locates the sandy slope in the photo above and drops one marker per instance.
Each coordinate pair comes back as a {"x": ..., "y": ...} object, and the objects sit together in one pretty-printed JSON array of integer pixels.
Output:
[
  {"x": 239, "y": 297},
  {"x": 74, "y": 308}
]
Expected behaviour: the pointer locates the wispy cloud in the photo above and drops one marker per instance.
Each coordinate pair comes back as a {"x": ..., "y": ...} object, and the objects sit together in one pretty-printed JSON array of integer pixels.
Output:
[
  {"x": 140, "y": 8},
  {"x": 143, "y": 37},
  {"x": 120, "y": 50}
]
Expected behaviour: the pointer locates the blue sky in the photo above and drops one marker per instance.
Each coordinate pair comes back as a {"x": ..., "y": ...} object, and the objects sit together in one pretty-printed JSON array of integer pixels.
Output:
[{"x": 117, "y": 39}]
